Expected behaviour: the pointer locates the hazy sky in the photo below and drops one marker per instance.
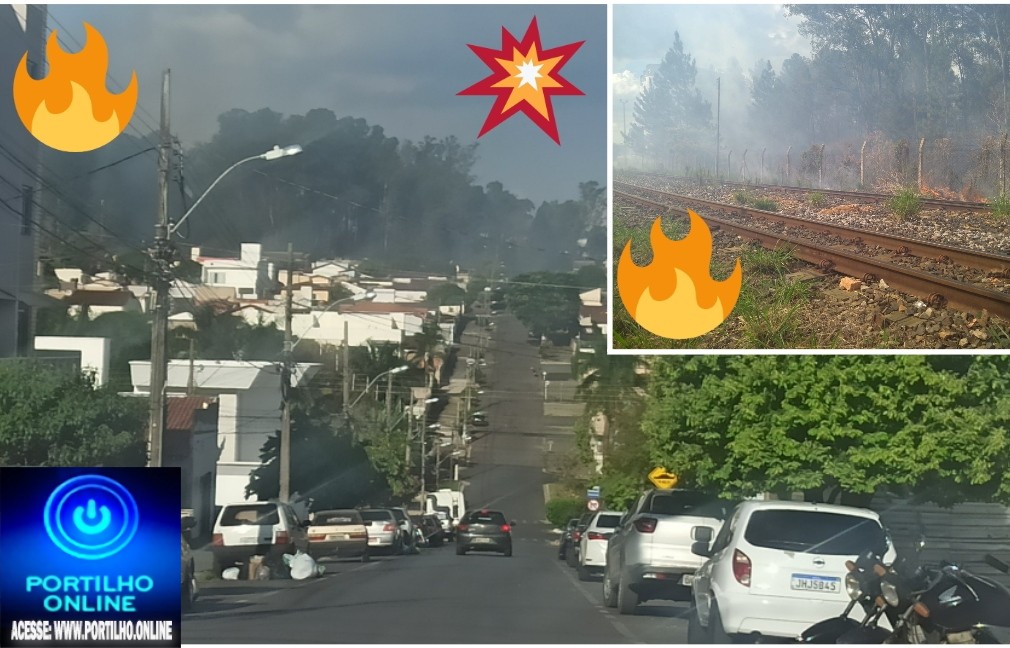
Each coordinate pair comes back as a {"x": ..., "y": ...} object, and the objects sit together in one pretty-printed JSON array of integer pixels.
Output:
[
  {"x": 397, "y": 66},
  {"x": 713, "y": 34}
]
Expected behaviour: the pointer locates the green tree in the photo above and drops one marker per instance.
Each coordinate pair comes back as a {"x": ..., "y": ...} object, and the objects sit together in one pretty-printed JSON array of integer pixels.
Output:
[
  {"x": 56, "y": 417},
  {"x": 447, "y": 294},
  {"x": 545, "y": 302},
  {"x": 832, "y": 426}
]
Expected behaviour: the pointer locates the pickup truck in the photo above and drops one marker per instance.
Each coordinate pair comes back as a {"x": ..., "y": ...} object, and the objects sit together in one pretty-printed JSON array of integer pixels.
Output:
[{"x": 649, "y": 556}]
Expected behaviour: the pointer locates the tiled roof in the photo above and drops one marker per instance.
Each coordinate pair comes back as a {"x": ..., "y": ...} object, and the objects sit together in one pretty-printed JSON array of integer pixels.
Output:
[
  {"x": 384, "y": 307},
  {"x": 180, "y": 412},
  {"x": 100, "y": 297}
]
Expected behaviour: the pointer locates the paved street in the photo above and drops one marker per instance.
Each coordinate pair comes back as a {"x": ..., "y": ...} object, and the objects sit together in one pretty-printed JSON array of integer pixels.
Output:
[{"x": 437, "y": 596}]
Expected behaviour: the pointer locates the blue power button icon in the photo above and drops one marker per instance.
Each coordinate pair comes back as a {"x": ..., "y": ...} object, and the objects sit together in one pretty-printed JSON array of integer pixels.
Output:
[{"x": 91, "y": 517}]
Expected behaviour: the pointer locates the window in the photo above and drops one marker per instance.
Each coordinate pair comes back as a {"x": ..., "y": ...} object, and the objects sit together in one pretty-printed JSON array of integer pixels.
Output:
[
  {"x": 376, "y": 516},
  {"x": 216, "y": 277},
  {"x": 337, "y": 518},
  {"x": 259, "y": 514},
  {"x": 687, "y": 503},
  {"x": 609, "y": 521},
  {"x": 27, "y": 209},
  {"x": 485, "y": 517},
  {"x": 832, "y": 534}
]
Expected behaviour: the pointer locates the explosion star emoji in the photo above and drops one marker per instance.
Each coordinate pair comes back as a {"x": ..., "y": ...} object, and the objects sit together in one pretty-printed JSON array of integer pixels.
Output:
[{"x": 524, "y": 79}]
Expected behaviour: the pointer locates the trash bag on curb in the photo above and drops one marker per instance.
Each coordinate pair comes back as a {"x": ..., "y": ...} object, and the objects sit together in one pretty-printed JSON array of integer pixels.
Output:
[
  {"x": 303, "y": 566},
  {"x": 230, "y": 574},
  {"x": 262, "y": 573}
]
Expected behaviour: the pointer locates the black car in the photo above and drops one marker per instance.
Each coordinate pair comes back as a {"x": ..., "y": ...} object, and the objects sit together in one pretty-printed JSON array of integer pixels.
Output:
[
  {"x": 566, "y": 538},
  {"x": 484, "y": 530},
  {"x": 572, "y": 553}
]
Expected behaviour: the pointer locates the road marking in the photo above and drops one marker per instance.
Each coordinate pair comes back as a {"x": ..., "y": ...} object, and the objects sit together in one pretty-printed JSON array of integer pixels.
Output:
[{"x": 618, "y": 625}]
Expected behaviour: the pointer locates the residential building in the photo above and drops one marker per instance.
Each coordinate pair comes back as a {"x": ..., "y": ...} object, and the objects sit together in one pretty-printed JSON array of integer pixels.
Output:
[
  {"x": 366, "y": 322},
  {"x": 250, "y": 274},
  {"x": 24, "y": 31},
  {"x": 89, "y": 354},
  {"x": 99, "y": 302},
  {"x": 191, "y": 443},
  {"x": 249, "y": 401}
]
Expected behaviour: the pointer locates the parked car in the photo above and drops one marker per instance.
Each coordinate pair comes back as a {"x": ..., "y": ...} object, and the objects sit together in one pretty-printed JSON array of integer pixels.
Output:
[
  {"x": 778, "y": 567},
  {"x": 407, "y": 526},
  {"x": 341, "y": 533},
  {"x": 384, "y": 530},
  {"x": 593, "y": 542},
  {"x": 566, "y": 538},
  {"x": 446, "y": 520},
  {"x": 431, "y": 530},
  {"x": 649, "y": 556},
  {"x": 190, "y": 589},
  {"x": 572, "y": 555},
  {"x": 484, "y": 530},
  {"x": 479, "y": 419},
  {"x": 247, "y": 529}
]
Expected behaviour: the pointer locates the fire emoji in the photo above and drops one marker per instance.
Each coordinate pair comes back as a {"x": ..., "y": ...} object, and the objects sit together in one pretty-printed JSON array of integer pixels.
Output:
[
  {"x": 675, "y": 296},
  {"x": 71, "y": 110}
]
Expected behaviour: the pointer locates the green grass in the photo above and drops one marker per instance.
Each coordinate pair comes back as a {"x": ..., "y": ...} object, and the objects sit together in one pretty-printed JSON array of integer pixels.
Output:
[
  {"x": 742, "y": 197},
  {"x": 770, "y": 303},
  {"x": 1000, "y": 206},
  {"x": 905, "y": 203},
  {"x": 816, "y": 199},
  {"x": 765, "y": 204}
]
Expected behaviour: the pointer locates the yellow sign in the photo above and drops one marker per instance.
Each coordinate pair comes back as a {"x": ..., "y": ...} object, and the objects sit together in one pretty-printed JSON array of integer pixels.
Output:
[{"x": 661, "y": 478}]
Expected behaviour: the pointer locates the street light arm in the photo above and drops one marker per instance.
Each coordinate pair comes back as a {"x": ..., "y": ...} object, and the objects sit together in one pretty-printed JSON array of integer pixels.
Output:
[{"x": 189, "y": 211}]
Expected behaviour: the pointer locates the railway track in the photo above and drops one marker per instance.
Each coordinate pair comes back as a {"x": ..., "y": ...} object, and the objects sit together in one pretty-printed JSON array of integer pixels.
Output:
[{"x": 934, "y": 290}]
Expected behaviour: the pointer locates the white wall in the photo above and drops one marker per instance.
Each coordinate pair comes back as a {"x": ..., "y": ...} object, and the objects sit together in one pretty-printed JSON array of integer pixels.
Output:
[
  {"x": 362, "y": 327},
  {"x": 95, "y": 352}
]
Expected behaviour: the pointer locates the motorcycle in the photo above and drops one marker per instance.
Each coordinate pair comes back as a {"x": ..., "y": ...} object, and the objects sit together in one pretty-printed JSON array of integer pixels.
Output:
[{"x": 862, "y": 583}]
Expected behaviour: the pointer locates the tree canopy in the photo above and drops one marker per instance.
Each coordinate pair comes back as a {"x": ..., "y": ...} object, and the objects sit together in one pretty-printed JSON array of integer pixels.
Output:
[{"x": 546, "y": 302}]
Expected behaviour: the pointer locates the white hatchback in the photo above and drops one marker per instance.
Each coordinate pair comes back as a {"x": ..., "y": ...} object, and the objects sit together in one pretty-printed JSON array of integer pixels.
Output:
[
  {"x": 593, "y": 543},
  {"x": 778, "y": 567}
]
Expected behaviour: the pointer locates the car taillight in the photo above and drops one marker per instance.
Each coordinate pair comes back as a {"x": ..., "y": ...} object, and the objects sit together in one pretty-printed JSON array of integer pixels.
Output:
[
  {"x": 319, "y": 536},
  {"x": 505, "y": 528},
  {"x": 462, "y": 527},
  {"x": 576, "y": 535},
  {"x": 283, "y": 537},
  {"x": 389, "y": 527},
  {"x": 359, "y": 534},
  {"x": 593, "y": 535},
  {"x": 741, "y": 567},
  {"x": 217, "y": 540},
  {"x": 646, "y": 525}
]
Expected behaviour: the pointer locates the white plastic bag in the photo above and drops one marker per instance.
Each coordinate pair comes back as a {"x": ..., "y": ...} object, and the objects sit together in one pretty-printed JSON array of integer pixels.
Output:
[
  {"x": 303, "y": 566},
  {"x": 230, "y": 574}
]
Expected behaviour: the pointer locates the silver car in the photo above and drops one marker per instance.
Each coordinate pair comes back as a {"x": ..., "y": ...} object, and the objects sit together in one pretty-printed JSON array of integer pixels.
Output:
[{"x": 384, "y": 530}]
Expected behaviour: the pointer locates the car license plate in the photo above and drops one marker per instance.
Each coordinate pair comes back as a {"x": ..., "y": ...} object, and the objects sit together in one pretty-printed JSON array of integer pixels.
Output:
[
  {"x": 687, "y": 579},
  {"x": 248, "y": 540},
  {"x": 482, "y": 540},
  {"x": 814, "y": 583},
  {"x": 372, "y": 541}
]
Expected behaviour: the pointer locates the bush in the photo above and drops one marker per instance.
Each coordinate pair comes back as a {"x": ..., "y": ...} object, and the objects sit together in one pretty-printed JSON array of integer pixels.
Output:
[
  {"x": 905, "y": 203},
  {"x": 742, "y": 197},
  {"x": 562, "y": 509},
  {"x": 765, "y": 204},
  {"x": 816, "y": 199},
  {"x": 1000, "y": 206}
]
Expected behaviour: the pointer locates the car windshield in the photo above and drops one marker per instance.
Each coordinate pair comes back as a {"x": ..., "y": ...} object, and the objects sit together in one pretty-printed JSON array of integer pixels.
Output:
[
  {"x": 376, "y": 516},
  {"x": 819, "y": 532},
  {"x": 399, "y": 515},
  {"x": 687, "y": 503},
  {"x": 260, "y": 514},
  {"x": 486, "y": 517},
  {"x": 608, "y": 520},
  {"x": 337, "y": 518}
]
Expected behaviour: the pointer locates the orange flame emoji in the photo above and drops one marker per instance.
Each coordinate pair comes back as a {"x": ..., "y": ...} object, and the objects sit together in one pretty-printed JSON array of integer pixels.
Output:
[
  {"x": 71, "y": 110},
  {"x": 675, "y": 296}
]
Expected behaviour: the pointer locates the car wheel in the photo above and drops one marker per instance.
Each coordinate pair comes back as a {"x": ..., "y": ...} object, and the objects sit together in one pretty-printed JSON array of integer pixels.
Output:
[
  {"x": 508, "y": 552},
  {"x": 627, "y": 599},
  {"x": 584, "y": 574},
  {"x": 187, "y": 592},
  {"x": 460, "y": 551},
  {"x": 695, "y": 633},
  {"x": 716, "y": 632},
  {"x": 609, "y": 591}
]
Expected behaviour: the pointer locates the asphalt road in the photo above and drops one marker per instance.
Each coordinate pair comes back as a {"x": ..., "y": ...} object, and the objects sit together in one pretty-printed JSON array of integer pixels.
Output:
[{"x": 437, "y": 596}]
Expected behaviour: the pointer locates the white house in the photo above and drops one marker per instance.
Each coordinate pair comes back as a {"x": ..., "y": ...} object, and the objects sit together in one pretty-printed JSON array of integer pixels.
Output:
[
  {"x": 333, "y": 269},
  {"x": 94, "y": 352},
  {"x": 248, "y": 274},
  {"x": 328, "y": 327},
  {"x": 249, "y": 400}
]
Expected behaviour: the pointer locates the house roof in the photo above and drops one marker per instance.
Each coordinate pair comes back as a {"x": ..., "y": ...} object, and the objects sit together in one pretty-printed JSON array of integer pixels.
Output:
[
  {"x": 384, "y": 307},
  {"x": 598, "y": 314},
  {"x": 100, "y": 297},
  {"x": 180, "y": 412}
]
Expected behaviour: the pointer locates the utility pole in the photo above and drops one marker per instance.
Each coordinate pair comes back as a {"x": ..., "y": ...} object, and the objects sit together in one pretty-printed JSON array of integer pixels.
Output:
[
  {"x": 389, "y": 395},
  {"x": 285, "y": 453},
  {"x": 718, "y": 116},
  {"x": 347, "y": 369},
  {"x": 162, "y": 257},
  {"x": 191, "y": 385}
]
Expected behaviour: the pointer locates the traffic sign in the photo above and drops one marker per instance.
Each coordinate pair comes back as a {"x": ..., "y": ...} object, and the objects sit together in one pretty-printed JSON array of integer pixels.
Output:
[
  {"x": 593, "y": 505},
  {"x": 593, "y": 493},
  {"x": 662, "y": 478}
]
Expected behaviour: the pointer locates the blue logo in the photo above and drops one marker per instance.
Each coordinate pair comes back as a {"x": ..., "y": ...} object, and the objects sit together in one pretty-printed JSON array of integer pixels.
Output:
[{"x": 91, "y": 517}]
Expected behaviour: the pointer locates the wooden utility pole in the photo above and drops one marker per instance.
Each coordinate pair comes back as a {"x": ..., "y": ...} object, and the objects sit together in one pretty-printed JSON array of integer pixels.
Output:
[
  {"x": 162, "y": 257},
  {"x": 922, "y": 144},
  {"x": 718, "y": 115},
  {"x": 285, "y": 452},
  {"x": 862, "y": 162}
]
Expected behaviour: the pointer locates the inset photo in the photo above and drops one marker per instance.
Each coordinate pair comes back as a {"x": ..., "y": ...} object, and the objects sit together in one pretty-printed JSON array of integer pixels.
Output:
[{"x": 810, "y": 177}]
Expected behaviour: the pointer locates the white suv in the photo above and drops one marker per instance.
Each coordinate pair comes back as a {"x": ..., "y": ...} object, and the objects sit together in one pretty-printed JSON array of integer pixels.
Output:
[
  {"x": 778, "y": 567},
  {"x": 593, "y": 543},
  {"x": 247, "y": 529}
]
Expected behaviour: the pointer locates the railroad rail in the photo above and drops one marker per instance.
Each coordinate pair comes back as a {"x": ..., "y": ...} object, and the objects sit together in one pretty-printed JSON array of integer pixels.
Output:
[
  {"x": 859, "y": 196},
  {"x": 935, "y": 291},
  {"x": 993, "y": 264}
]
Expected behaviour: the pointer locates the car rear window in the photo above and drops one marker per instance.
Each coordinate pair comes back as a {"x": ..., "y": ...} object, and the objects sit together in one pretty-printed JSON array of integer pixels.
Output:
[
  {"x": 832, "y": 534},
  {"x": 261, "y": 514},
  {"x": 337, "y": 518},
  {"x": 376, "y": 516},
  {"x": 687, "y": 503},
  {"x": 608, "y": 521},
  {"x": 490, "y": 517},
  {"x": 399, "y": 515}
]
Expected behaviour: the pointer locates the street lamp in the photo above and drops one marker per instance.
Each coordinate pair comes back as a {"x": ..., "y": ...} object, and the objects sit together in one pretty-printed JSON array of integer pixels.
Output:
[
  {"x": 388, "y": 372},
  {"x": 273, "y": 154}
]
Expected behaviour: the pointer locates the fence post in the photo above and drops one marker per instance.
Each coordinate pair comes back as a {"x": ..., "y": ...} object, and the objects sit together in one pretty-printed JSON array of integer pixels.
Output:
[
  {"x": 862, "y": 161},
  {"x": 788, "y": 170},
  {"x": 763, "y": 165},
  {"x": 744, "y": 171},
  {"x": 820, "y": 168},
  {"x": 729, "y": 165},
  {"x": 922, "y": 143},
  {"x": 1002, "y": 165}
]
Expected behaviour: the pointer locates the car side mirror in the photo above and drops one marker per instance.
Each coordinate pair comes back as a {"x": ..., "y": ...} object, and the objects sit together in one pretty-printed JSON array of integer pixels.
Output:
[
  {"x": 702, "y": 549},
  {"x": 702, "y": 534}
]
